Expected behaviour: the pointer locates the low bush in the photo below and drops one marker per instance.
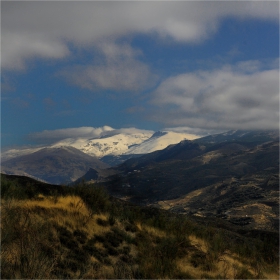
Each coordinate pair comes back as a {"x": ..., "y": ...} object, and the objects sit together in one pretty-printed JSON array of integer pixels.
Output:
[
  {"x": 126, "y": 250},
  {"x": 130, "y": 227},
  {"x": 102, "y": 222},
  {"x": 111, "y": 250},
  {"x": 80, "y": 235},
  {"x": 111, "y": 220},
  {"x": 243, "y": 273},
  {"x": 114, "y": 239}
]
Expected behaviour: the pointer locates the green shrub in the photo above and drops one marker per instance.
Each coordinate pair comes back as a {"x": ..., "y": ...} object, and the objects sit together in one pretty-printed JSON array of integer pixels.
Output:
[
  {"x": 99, "y": 238},
  {"x": 102, "y": 222},
  {"x": 78, "y": 254},
  {"x": 111, "y": 250},
  {"x": 81, "y": 236},
  {"x": 198, "y": 258},
  {"x": 99, "y": 254},
  {"x": 130, "y": 227},
  {"x": 114, "y": 239},
  {"x": 95, "y": 197},
  {"x": 12, "y": 190},
  {"x": 126, "y": 250},
  {"x": 127, "y": 258},
  {"x": 111, "y": 220}
]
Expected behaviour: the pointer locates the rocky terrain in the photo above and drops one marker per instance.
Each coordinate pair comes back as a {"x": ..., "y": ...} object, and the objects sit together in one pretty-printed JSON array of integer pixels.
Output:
[{"x": 234, "y": 180}]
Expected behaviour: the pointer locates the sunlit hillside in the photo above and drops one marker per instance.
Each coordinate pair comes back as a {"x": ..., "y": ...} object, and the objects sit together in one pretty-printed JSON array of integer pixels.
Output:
[{"x": 81, "y": 232}]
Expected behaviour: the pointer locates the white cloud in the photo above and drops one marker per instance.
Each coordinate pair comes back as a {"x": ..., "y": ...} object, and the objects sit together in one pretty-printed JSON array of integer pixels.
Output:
[
  {"x": 44, "y": 29},
  {"x": 117, "y": 69},
  {"x": 241, "y": 97},
  {"x": 77, "y": 132},
  {"x": 51, "y": 136},
  {"x": 194, "y": 130},
  {"x": 129, "y": 130},
  {"x": 18, "y": 47}
]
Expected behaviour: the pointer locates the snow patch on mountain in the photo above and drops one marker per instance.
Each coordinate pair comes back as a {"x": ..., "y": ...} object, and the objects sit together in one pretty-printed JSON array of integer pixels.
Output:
[
  {"x": 112, "y": 142},
  {"x": 159, "y": 141},
  {"x": 111, "y": 145}
]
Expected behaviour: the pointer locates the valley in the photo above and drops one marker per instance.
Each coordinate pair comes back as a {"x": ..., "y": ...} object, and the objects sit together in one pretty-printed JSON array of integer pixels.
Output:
[
  {"x": 237, "y": 181},
  {"x": 232, "y": 176}
]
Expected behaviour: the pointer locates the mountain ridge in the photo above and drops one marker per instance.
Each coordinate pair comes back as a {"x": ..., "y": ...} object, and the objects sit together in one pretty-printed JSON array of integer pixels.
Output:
[
  {"x": 53, "y": 165},
  {"x": 111, "y": 145}
]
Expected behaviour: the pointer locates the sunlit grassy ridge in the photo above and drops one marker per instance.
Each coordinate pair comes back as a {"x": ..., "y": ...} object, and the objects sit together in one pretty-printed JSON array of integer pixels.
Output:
[{"x": 80, "y": 232}]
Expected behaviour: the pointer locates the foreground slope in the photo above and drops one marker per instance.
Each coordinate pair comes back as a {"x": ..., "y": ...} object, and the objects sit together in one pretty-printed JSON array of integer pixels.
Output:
[{"x": 55, "y": 232}]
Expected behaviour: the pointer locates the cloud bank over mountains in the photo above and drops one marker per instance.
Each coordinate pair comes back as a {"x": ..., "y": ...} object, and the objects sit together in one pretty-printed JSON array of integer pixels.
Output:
[
  {"x": 84, "y": 24},
  {"x": 182, "y": 65},
  {"x": 231, "y": 97},
  {"x": 52, "y": 136}
]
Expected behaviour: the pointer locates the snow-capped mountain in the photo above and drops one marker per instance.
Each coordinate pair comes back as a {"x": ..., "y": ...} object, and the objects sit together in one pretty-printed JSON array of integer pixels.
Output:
[
  {"x": 112, "y": 144},
  {"x": 107, "y": 145},
  {"x": 159, "y": 141}
]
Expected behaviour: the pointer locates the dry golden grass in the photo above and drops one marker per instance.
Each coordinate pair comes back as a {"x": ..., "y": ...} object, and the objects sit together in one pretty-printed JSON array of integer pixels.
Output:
[
  {"x": 68, "y": 211},
  {"x": 198, "y": 243},
  {"x": 68, "y": 203},
  {"x": 271, "y": 275},
  {"x": 227, "y": 266},
  {"x": 184, "y": 265},
  {"x": 153, "y": 231},
  {"x": 72, "y": 213}
]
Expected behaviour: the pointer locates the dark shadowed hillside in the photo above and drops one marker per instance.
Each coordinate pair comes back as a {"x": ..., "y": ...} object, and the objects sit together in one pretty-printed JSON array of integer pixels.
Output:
[
  {"x": 253, "y": 136},
  {"x": 53, "y": 165},
  {"x": 233, "y": 180}
]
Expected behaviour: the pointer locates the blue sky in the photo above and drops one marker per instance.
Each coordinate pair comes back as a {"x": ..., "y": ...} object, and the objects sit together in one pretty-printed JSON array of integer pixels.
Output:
[{"x": 190, "y": 66}]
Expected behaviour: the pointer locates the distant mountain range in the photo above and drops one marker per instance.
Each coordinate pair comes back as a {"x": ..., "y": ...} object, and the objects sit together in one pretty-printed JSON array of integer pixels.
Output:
[
  {"x": 252, "y": 136},
  {"x": 69, "y": 159},
  {"x": 233, "y": 175},
  {"x": 53, "y": 165},
  {"x": 112, "y": 145}
]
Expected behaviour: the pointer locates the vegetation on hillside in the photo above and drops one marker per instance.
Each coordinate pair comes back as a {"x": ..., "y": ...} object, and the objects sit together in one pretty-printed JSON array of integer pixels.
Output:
[{"x": 59, "y": 232}]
